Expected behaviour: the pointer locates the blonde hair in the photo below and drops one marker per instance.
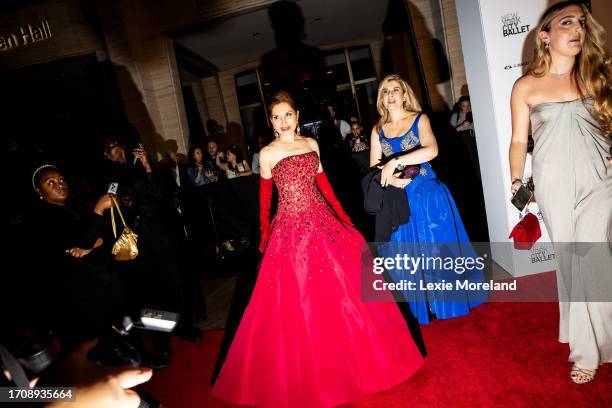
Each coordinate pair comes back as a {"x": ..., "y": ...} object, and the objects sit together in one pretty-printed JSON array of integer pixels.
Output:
[
  {"x": 592, "y": 63},
  {"x": 410, "y": 104}
]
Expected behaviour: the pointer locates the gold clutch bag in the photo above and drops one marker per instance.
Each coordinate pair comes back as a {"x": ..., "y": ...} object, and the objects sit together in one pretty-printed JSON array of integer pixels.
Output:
[{"x": 125, "y": 247}]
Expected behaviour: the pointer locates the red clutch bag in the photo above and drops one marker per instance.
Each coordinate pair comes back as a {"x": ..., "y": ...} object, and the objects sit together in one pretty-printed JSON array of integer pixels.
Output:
[{"x": 526, "y": 232}]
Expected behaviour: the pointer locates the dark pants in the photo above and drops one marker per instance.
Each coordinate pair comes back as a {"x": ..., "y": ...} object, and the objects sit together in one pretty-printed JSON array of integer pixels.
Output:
[
  {"x": 469, "y": 139},
  {"x": 185, "y": 248},
  {"x": 152, "y": 279}
]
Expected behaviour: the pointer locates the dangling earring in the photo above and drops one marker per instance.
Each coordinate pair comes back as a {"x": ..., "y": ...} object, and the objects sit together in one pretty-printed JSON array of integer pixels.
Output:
[
  {"x": 297, "y": 130},
  {"x": 276, "y": 134},
  {"x": 546, "y": 46}
]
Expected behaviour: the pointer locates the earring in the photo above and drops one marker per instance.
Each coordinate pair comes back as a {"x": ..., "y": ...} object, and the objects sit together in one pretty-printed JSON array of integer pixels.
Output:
[
  {"x": 41, "y": 197},
  {"x": 546, "y": 46},
  {"x": 297, "y": 130},
  {"x": 276, "y": 134}
]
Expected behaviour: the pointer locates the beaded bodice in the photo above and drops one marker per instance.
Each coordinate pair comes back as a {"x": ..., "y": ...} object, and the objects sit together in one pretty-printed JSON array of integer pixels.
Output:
[
  {"x": 406, "y": 142},
  {"x": 294, "y": 177}
]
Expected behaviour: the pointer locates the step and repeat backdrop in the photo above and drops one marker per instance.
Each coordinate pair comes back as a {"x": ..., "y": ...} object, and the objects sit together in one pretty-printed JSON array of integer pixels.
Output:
[{"x": 497, "y": 38}]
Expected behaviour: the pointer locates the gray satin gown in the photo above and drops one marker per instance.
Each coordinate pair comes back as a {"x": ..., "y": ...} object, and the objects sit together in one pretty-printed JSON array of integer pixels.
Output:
[{"x": 573, "y": 189}]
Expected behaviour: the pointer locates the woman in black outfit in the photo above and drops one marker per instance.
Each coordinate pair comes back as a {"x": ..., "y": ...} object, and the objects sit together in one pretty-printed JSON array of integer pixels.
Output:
[
  {"x": 462, "y": 121},
  {"x": 72, "y": 286}
]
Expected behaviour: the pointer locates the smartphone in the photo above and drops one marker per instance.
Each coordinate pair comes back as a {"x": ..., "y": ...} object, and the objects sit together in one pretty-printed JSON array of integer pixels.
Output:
[
  {"x": 112, "y": 188},
  {"x": 521, "y": 198}
]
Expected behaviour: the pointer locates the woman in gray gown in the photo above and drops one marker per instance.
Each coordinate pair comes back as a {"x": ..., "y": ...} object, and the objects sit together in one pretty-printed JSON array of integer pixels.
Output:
[{"x": 567, "y": 96}]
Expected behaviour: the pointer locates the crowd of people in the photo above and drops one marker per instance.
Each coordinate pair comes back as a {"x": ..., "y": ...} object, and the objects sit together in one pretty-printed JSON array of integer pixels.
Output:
[{"x": 79, "y": 288}]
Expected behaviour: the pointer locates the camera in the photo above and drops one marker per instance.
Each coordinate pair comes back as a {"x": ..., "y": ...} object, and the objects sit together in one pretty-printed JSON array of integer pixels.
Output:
[
  {"x": 32, "y": 351},
  {"x": 114, "y": 348}
]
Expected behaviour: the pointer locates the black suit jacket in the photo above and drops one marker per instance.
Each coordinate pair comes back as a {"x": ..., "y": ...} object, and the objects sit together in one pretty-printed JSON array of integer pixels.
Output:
[{"x": 389, "y": 205}]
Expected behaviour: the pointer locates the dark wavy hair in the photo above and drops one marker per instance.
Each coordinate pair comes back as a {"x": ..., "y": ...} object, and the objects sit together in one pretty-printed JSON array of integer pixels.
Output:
[
  {"x": 192, "y": 150},
  {"x": 457, "y": 106},
  {"x": 239, "y": 157}
]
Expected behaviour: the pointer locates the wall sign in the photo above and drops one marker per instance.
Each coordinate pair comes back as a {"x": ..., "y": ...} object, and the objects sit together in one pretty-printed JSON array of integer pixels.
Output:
[{"x": 26, "y": 34}]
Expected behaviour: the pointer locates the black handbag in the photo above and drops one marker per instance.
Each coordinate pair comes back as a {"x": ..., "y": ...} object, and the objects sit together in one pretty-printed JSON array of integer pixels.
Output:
[{"x": 402, "y": 171}]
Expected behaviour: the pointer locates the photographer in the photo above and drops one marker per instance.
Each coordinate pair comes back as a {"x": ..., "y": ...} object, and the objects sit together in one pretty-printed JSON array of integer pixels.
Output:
[
  {"x": 151, "y": 279},
  {"x": 95, "y": 385}
]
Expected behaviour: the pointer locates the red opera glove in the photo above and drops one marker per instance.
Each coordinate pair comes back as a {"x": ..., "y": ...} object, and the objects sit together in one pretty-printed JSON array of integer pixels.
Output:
[
  {"x": 265, "y": 201},
  {"x": 328, "y": 193}
]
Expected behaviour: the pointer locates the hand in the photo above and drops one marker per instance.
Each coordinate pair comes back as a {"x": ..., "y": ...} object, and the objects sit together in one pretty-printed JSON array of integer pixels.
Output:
[
  {"x": 515, "y": 186},
  {"x": 399, "y": 182},
  {"x": 141, "y": 155},
  {"x": 209, "y": 174},
  {"x": 78, "y": 252},
  {"x": 262, "y": 242},
  {"x": 387, "y": 172},
  {"x": 96, "y": 386},
  {"x": 104, "y": 203},
  {"x": 346, "y": 219}
]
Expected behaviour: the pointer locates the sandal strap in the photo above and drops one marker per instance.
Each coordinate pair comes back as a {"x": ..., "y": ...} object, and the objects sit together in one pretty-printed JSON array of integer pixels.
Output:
[{"x": 586, "y": 371}]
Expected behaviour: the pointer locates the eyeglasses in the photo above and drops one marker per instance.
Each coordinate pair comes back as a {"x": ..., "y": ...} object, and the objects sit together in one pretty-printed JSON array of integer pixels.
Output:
[{"x": 109, "y": 148}]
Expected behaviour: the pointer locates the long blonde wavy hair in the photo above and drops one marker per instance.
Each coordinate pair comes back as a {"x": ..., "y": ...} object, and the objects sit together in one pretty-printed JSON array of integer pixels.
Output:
[
  {"x": 410, "y": 104},
  {"x": 591, "y": 70}
]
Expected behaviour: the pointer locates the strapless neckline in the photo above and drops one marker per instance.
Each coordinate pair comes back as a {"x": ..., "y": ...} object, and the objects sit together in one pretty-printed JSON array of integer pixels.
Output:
[
  {"x": 293, "y": 155},
  {"x": 561, "y": 102}
]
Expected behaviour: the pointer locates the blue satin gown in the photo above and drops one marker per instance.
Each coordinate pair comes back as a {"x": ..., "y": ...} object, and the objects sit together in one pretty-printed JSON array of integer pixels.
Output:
[{"x": 434, "y": 228}]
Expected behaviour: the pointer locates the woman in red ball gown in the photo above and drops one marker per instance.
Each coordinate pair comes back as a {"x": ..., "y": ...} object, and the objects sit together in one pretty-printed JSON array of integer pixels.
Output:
[{"x": 306, "y": 338}]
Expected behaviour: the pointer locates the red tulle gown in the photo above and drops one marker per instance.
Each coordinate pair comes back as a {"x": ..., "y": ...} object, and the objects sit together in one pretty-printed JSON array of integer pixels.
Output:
[{"x": 306, "y": 338}]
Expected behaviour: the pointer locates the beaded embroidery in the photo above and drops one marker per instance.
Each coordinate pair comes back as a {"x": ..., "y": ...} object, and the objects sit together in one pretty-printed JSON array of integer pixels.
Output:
[{"x": 409, "y": 141}]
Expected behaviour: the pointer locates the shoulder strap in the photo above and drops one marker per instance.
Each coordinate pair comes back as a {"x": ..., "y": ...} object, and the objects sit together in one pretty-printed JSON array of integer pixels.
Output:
[
  {"x": 418, "y": 118},
  {"x": 116, "y": 204},
  {"x": 112, "y": 214}
]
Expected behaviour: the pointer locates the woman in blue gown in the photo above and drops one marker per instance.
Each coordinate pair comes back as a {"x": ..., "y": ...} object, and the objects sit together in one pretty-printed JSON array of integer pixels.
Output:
[{"x": 434, "y": 228}]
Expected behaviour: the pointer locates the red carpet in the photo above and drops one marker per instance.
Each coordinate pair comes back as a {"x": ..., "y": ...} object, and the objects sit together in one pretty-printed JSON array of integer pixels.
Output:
[{"x": 502, "y": 355}]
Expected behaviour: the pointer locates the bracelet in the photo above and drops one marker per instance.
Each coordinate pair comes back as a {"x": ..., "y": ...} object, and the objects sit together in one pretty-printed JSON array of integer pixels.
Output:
[{"x": 517, "y": 180}]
